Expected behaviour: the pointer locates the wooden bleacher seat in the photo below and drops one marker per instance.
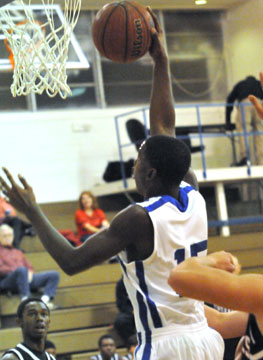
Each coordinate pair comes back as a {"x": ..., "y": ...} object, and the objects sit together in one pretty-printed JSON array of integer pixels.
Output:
[
  {"x": 248, "y": 248},
  {"x": 68, "y": 298},
  {"x": 66, "y": 341}
]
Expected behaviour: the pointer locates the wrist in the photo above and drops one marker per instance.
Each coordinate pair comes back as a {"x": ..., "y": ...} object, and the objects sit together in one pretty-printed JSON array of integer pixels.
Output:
[{"x": 161, "y": 59}]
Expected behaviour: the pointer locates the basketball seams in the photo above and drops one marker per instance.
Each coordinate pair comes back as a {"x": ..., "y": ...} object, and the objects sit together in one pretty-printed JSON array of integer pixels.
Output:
[
  {"x": 142, "y": 16},
  {"x": 127, "y": 32},
  {"x": 116, "y": 5}
]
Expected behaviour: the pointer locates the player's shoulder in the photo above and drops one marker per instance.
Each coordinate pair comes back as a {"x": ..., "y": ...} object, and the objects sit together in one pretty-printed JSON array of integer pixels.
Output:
[
  {"x": 136, "y": 209},
  {"x": 133, "y": 219},
  {"x": 9, "y": 355}
]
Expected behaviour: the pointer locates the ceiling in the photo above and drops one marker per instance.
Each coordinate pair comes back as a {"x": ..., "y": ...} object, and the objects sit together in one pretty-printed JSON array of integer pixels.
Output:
[
  {"x": 170, "y": 4},
  {"x": 160, "y": 4}
]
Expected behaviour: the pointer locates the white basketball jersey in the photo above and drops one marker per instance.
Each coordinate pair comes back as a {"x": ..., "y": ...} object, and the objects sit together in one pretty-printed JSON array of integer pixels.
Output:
[{"x": 180, "y": 231}]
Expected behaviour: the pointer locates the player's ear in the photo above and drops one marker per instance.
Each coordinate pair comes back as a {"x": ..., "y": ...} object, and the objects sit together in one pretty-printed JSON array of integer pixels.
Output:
[
  {"x": 152, "y": 173},
  {"x": 19, "y": 322}
]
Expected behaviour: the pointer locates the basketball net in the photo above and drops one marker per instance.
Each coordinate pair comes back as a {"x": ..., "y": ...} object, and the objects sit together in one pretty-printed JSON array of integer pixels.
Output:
[{"x": 38, "y": 57}]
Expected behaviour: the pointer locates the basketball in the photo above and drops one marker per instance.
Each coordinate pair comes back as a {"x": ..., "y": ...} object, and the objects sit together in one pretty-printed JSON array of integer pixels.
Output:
[{"x": 121, "y": 31}]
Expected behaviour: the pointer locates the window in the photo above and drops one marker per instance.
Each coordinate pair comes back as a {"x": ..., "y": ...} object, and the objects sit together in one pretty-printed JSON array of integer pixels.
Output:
[{"x": 195, "y": 47}]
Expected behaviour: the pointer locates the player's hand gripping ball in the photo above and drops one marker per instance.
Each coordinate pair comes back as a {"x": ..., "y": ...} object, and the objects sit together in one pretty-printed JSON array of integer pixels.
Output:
[{"x": 121, "y": 31}]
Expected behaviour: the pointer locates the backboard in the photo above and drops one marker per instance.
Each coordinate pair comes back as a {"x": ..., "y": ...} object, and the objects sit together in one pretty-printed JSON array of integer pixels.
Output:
[{"x": 76, "y": 57}]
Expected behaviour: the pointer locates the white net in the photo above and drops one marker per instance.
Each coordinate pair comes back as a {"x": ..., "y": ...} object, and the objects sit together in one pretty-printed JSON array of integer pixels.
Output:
[{"x": 38, "y": 47}]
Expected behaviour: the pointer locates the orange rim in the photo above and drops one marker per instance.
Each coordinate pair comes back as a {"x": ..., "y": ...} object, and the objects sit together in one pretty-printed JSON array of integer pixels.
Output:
[{"x": 8, "y": 48}]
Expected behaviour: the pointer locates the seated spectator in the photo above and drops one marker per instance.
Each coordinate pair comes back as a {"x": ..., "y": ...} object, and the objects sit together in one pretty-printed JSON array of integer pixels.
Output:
[
  {"x": 50, "y": 348},
  {"x": 21, "y": 228},
  {"x": 107, "y": 349},
  {"x": 89, "y": 218},
  {"x": 124, "y": 322},
  {"x": 131, "y": 346},
  {"x": 17, "y": 275}
]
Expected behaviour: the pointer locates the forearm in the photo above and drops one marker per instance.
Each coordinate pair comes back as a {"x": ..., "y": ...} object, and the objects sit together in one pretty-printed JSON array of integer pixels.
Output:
[
  {"x": 199, "y": 282},
  {"x": 228, "y": 324},
  {"x": 162, "y": 113},
  {"x": 57, "y": 246}
]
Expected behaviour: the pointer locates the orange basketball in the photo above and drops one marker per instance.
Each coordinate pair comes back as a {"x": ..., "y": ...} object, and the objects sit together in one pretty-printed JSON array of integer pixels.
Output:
[{"x": 121, "y": 31}]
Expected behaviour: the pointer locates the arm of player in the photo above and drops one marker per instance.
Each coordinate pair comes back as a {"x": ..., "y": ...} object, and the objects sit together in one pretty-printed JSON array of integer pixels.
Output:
[
  {"x": 228, "y": 324},
  {"x": 128, "y": 227},
  {"x": 199, "y": 278},
  {"x": 255, "y": 102},
  {"x": 162, "y": 113}
]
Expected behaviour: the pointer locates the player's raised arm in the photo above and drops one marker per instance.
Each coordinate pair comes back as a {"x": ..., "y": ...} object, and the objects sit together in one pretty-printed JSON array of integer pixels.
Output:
[
  {"x": 98, "y": 248},
  {"x": 255, "y": 102},
  {"x": 162, "y": 113}
]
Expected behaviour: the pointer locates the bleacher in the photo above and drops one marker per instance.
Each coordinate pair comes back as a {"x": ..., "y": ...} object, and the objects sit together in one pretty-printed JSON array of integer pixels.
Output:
[{"x": 87, "y": 301}]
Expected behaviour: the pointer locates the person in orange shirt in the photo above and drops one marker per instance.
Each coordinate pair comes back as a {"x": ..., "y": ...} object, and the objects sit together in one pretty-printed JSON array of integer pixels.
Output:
[
  {"x": 6, "y": 208},
  {"x": 89, "y": 218}
]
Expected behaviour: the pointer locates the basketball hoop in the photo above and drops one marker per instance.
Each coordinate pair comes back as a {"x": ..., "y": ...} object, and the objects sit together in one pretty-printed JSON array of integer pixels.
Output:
[
  {"x": 38, "y": 50},
  {"x": 30, "y": 31}
]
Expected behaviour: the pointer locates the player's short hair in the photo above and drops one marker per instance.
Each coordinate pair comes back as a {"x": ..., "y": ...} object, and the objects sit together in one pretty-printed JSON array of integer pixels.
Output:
[
  {"x": 169, "y": 156},
  {"x": 103, "y": 337},
  {"x": 132, "y": 341},
  {"x": 22, "y": 305},
  {"x": 49, "y": 344}
]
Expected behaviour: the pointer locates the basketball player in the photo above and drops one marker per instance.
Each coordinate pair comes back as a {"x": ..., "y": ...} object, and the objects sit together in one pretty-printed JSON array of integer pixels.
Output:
[
  {"x": 213, "y": 279},
  {"x": 33, "y": 317},
  {"x": 150, "y": 237},
  {"x": 255, "y": 102}
]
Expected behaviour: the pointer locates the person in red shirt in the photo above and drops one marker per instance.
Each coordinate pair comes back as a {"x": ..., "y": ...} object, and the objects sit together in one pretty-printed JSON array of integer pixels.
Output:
[
  {"x": 89, "y": 218},
  {"x": 17, "y": 274}
]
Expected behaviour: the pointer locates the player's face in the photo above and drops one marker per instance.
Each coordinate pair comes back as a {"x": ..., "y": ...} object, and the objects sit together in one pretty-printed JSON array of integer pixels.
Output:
[
  {"x": 35, "y": 321},
  {"x": 108, "y": 347}
]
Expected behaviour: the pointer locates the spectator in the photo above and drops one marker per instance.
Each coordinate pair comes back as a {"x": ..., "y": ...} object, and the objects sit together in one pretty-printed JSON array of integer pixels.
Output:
[
  {"x": 124, "y": 322},
  {"x": 89, "y": 218},
  {"x": 254, "y": 101},
  {"x": 240, "y": 93},
  {"x": 50, "y": 348},
  {"x": 107, "y": 349},
  {"x": 34, "y": 318},
  {"x": 17, "y": 275},
  {"x": 131, "y": 346},
  {"x": 21, "y": 228}
]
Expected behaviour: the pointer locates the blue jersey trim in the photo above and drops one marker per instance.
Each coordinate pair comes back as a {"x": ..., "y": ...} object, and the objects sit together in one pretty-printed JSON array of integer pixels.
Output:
[
  {"x": 182, "y": 204},
  {"x": 147, "y": 347},
  {"x": 139, "y": 335},
  {"x": 142, "y": 311},
  {"x": 147, "y": 351},
  {"x": 122, "y": 265},
  {"x": 142, "y": 283}
]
